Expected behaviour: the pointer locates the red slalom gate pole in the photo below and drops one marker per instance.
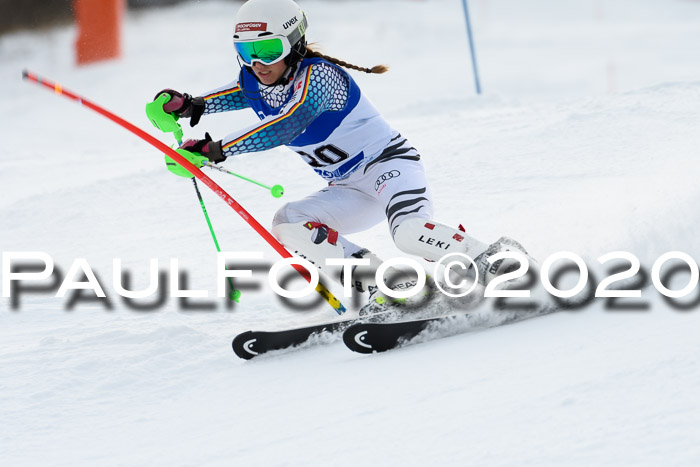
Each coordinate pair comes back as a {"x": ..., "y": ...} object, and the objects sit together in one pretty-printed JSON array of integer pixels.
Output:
[{"x": 272, "y": 241}]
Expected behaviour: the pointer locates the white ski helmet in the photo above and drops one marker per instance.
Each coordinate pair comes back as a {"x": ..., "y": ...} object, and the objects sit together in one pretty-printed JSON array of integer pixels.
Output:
[{"x": 268, "y": 31}]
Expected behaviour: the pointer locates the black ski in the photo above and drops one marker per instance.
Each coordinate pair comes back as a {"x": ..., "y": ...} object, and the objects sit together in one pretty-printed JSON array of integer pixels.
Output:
[
  {"x": 368, "y": 338},
  {"x": 250, "y": 344},
  {"x": 380, "y": 337},
  {"x": 375, "y": 333}
]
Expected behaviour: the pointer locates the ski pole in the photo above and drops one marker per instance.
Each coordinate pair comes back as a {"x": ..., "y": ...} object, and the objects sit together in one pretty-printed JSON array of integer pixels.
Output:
[
  {"x": 471, "y": 46},
  {"x": 235, "y": 294},
  {"x": 267, "y": 236},
  {"x": 168, "y": 123},
  {"x": 276, "y": 190}
]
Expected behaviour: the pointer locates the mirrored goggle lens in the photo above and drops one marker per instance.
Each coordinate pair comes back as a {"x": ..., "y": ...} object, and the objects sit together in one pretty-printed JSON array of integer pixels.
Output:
[{"x": 267, "y": 51}]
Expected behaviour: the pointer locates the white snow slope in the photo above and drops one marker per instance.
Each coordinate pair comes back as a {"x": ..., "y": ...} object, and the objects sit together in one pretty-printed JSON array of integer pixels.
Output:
[{"x": 586, "y": 140}]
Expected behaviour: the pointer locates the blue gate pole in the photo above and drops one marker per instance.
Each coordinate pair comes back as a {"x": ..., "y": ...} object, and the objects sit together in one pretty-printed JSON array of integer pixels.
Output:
[{"x": 471, "y": 47}]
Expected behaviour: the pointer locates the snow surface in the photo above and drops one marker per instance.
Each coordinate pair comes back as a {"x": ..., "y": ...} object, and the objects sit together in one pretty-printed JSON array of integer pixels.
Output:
[{"x": 586, "y": 139}]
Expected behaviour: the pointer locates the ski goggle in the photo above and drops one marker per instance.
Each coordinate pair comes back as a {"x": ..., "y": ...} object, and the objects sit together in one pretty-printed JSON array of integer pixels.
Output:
[{"x": 265, "y": 51}]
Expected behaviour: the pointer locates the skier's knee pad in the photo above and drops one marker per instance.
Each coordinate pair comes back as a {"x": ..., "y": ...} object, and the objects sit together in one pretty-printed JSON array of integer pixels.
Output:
[
  {"x": 316, "y": 243},
  {"x": 287, "y": 214},
  {"x": 280, "y": 217},
  {"x": 293, "y": 212},
  {"x": 313, "y": 243},
  {"x": 432, "y": 240}
]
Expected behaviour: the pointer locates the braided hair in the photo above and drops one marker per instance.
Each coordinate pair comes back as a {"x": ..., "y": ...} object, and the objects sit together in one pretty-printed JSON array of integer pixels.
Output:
[{"x": 313, "y": 52}]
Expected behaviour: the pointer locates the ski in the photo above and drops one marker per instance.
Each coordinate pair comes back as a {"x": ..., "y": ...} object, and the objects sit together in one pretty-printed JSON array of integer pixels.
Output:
[
  {"x": 379, "y": 337},
  {"x": 367, "y": 338},
  {"x": 366, "y": 334},
  {"x": 250, "y": 344}
]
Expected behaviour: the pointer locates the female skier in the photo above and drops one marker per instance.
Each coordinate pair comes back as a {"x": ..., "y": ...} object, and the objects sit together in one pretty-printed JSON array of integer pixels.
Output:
[{"x": 308, "y": 102}]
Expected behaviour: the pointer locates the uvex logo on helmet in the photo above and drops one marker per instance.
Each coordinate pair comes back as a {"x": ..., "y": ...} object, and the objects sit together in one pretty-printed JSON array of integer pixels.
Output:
[
  {"x": 253, "y": 26},
  {"x": 290, "y": 23}
]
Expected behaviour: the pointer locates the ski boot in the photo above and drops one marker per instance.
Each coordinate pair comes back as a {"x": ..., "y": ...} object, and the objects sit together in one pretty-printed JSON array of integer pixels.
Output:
[
  {"x": 378, "y": 302},
  {"x": 489, "y": 271}
]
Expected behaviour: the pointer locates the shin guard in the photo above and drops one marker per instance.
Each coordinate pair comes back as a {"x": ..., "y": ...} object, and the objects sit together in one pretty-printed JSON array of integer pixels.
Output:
[{"x": 432, "y": 240}]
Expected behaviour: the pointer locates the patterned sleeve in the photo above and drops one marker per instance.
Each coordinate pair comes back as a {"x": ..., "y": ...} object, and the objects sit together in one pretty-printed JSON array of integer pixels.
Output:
[
  {"x": 320, "y": 88},
  {"x": 225, "y": 98}
]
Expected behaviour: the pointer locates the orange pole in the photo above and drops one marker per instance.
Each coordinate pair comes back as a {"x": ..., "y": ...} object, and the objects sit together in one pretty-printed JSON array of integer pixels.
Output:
[{"x": 99, "y": 29}]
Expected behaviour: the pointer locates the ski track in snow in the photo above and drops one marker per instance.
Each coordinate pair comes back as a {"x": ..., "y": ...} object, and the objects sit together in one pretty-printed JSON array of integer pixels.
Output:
[{"x": 585, "y": 140}]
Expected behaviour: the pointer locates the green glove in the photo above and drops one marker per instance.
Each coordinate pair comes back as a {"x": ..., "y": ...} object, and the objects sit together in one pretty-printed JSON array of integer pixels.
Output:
[
  {"x": 194, "y": 158},
  {"x": 162, "y": 120}
]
